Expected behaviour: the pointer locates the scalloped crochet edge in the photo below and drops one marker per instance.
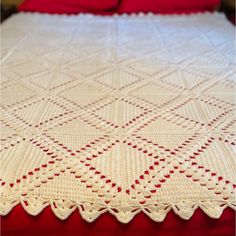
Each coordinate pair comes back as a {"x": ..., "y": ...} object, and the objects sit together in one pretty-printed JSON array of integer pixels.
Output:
[
  {"x": 124, "y": 15},
  {"x": 123, "y": 213}
]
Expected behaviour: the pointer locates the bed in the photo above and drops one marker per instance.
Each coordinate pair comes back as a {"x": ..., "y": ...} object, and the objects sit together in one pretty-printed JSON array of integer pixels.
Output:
[{"x": 118, "y": 124}]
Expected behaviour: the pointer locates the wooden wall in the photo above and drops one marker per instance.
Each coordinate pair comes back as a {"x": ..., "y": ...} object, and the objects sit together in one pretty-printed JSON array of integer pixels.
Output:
[
  {"x": 229, "y": 3},
  {"x": 11, "y": 2}
]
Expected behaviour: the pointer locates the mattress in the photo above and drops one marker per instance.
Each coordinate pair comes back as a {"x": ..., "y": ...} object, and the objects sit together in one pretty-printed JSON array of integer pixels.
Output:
[{"x": 125, "y": 115}]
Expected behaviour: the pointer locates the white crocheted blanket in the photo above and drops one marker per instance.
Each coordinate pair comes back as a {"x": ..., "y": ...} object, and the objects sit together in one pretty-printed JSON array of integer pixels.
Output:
[{"x": 121, "y": 114}]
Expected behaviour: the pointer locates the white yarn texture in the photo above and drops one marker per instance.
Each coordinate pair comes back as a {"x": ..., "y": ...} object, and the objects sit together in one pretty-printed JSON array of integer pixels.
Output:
[{"x": 118, "y": 114}]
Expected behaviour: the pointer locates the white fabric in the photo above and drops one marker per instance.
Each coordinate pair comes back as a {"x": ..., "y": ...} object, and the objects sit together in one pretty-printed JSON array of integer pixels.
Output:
[{"x": 121, "y": 114}]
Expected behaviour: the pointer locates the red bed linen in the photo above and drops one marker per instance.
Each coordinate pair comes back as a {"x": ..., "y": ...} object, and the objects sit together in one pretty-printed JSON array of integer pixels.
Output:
[
  {"x": 167, "y": 7},
  {"x": 116, "y": 6},
  {"x": 18, "y": 222},
  {"x": 68, "y": 6}
]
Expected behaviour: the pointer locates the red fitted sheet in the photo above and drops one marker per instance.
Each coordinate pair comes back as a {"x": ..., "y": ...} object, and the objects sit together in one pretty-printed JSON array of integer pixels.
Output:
[
  {"x": 115, "y": 6},
  {"x": 18, "y": 222},
  {"x": 167, "y": 7},
  {"x": 69, "y": 6}
]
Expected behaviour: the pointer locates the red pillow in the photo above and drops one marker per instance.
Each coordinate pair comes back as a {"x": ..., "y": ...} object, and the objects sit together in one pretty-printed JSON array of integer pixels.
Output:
[
  {"x": 167, "y": 6},
  {"x": 68, "y": 6}
]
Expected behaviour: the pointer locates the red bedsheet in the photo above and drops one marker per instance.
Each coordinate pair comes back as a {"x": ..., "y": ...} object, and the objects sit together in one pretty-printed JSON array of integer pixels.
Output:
[
  {"x": 69, "y": 6},
  {"x": 115, "y": 6},
  {"x": 18, "y": 222},
  {"x": 167, "y": 7}
]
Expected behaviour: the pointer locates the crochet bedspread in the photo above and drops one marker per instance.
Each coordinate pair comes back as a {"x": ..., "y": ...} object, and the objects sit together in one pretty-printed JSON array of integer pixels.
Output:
[{"x": 118, "y": 113}]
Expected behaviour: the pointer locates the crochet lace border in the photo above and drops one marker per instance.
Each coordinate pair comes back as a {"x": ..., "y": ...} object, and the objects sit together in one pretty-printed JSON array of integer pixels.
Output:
[{"x": 123, "y": 213}]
